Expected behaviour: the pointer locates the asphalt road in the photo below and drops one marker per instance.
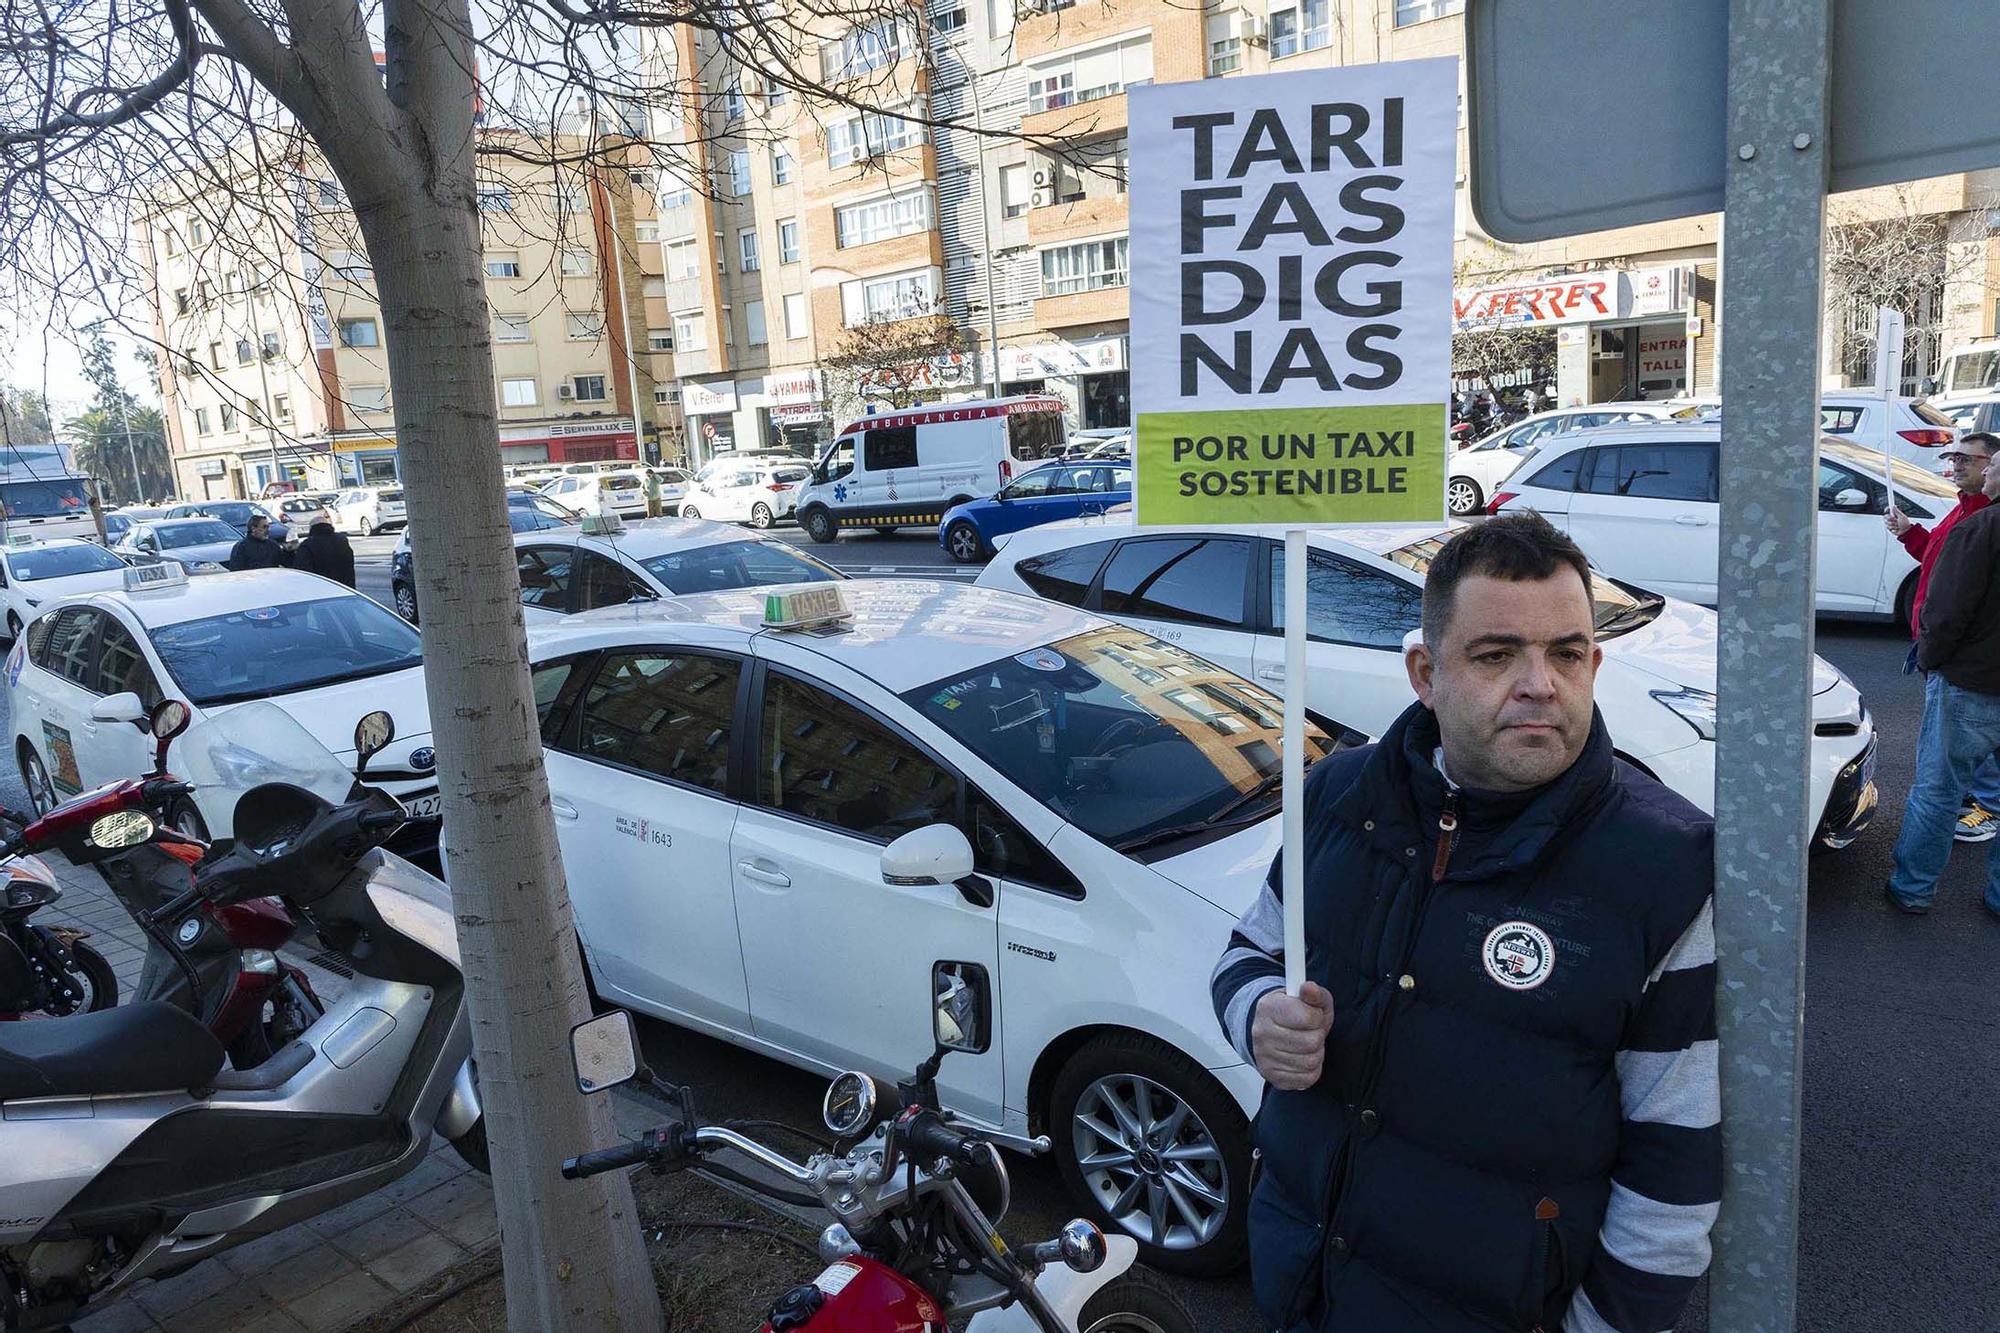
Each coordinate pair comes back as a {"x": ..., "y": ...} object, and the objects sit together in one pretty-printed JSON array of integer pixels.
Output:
[{"x": 1900, "y": 1154}]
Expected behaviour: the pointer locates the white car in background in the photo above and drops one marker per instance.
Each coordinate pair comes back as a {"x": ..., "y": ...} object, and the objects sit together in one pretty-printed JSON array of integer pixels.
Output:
[
  {"x": 757, "y": 491},
  {"x": 1642, "y": 503},
  {"x": 1477, "y": 470},
  {"x": 565, "y": 570},
  {"x": 198, "y": 545},
  {"x": 1913, "y": 430},
  {"x": 622, "y": 492},
  {"x": 82, "y": 676},
  {"x": 33, "y": 573},
  {"x": 773, "y": 834},
  {"x": 1221, "y": 596},
  {"x": 368, "y": 510}
]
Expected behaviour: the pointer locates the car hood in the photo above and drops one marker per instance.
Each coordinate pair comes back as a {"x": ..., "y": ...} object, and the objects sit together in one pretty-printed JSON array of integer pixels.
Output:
[
  {"x": 1229, "y": 871},
  {"x": 329, "y": 712},
  {"x": 189, "y": 555},
  {"x": 47, "y": 590},
  {"x": 1678, "y": 647}
]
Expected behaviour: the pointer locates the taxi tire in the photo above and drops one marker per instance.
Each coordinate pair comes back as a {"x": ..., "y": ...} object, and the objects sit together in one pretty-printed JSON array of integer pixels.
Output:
[
  {"x": 689, "y": 511},
  {"x": 13, "y": 628},
  {"x": 1123, "y": 1052},
  {"x": 35, "y": 777},
  {"x": 185, "y": 816},
  {"x": 760, "y": 516},
  {"x": 367, "y": 526}
]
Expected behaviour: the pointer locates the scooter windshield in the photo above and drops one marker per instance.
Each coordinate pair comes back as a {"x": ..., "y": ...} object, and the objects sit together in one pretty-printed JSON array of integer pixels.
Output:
[{"x": 245, "y": 747}]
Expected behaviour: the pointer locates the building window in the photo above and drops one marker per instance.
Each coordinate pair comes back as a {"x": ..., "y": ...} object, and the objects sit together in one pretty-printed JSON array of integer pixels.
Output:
[
  {"x": 272, "y": 346},
  {"x": 880, "y": 219},
  {"x": 169, "y": 243},
  {"x": 781, "y": 167},
  {"x": 679, "y": 198},
  {"x": 197, "y": 232},
  {"x": 228, "y": 418},
  {"x": 890, "y": 297},
  {"x": 202, "y": 426},
  {"x": 245, "y": 353},
  {"x": 512, "y": 329},
  {"x": 1087, "y": 267},
  {"x": 746, "y": 249},
  {"x": 190, "y": 363},
  {"x": 351, "y": 265},
  {"x": 517, "y": 393},
  {"x": 641, "y": 180},
  {"x": 683, "y": 260},
  {"x": 1423, "y": 11},
  {"x": 739, "y": 172},
  {"x": 659, "y": 340},
  {"x": 181, "y": 304},
  {"x": 1102, "y": 72},
  {"x": 368, "y": 397},
  {"x": 330, "y": 195},
  {"x": 753, "y": 324},
  {"x": 872, "y": 134},
  {"x": 359, "y": 333},
  {"x": 503, "y": 264},
  {"x": 1014, "y": 195},
  {"x": 653, "y": 287},
  {"x": 569, "y": 199},
  {"x": 788, "y": 241},
  {"x": 733, "y": 105},
  {"x": 947, "y": 16},
  {"x": 215, "y": 356},
  {"x": 589, "y": 388},
  {"x": 690, "y": 333},
  {"x": 797, "y": 321},
  {"x": 867, "y": 47},
  {"x": 576, "y": 263},
  {"x": 662, "y": 395},
  {"x": 1306, "y": 28},
  {"x": 204, "y": 295},
  {"x": 495, "y": 199},
  {"x": 1225, "y": 44},
  {"x": 586, "y": 327},
  {"x": 281, "y": 407},
  {"x": 646, "y": 233},
  {"x": 776, "y": 95}
]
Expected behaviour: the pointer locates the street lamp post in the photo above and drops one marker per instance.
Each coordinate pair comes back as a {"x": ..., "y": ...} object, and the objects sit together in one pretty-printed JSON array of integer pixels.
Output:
[
  {"x": 985, "y": 237},
  {"x": 264, "y": 381}
]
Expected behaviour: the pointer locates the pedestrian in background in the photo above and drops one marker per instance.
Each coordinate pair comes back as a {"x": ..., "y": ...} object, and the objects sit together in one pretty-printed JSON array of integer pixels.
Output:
[
  {"x": 256, "y": 550},
  {"x": 326, "y": 553},
  {"x": 1958, "y": 650},
  {"x": 1979, "y": 814},
  {"x": 654, "y": 507},
  {"x": 1495, "y": 1104}
]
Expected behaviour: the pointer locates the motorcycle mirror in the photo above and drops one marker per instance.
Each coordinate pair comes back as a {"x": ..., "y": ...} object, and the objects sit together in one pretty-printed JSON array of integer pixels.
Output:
[
  {"x": 127, "y": 828},
  {"x": 604, "y": 1051},
  {"x": 371, "y": 735},
  {"x": 169, "y": 718},
  {"x": 961, "y": 1016}
]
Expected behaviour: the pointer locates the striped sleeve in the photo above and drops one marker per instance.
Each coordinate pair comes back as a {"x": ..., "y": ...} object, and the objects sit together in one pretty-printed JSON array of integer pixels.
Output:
[
  {"x": 1666, "y": 1185},
  {"x": 1251, "y": 966}
]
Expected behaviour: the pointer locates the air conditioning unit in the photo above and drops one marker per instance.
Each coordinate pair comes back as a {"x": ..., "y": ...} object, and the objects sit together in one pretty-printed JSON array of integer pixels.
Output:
[
  {"x": 1041, "y": 179},
  {"x": 1039, "y": 199},
  {"x": 751, "y": 82},
  {"x": 564, "y": 392},
  {"x": 1255, "y": 30}
]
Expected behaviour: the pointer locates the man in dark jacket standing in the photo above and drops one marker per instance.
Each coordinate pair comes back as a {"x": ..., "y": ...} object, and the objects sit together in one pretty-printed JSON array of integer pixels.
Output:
[
  {"x": 1958, "y": 650},
  {"x": 1495, "y": 1106},
  {"x": 1968, "y": 459},
  {"x": 256, "y": 550},
  {"x": 326, "y": 553}
]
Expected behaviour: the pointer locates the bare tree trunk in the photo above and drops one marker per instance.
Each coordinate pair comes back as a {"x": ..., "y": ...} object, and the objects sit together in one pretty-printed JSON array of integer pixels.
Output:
[{"x": 573, "y": 1252}]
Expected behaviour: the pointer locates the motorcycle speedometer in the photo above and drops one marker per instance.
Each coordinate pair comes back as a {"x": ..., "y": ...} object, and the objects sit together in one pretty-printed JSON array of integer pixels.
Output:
[{"x": 851, "y": 1103}]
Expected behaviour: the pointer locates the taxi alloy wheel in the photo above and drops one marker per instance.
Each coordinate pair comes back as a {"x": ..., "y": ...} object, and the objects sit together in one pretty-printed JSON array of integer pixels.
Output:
[
  {"x": 760, "y": 515},
  {"x": 41, "y": 792},
  {"x": 1463, "y": 494}
]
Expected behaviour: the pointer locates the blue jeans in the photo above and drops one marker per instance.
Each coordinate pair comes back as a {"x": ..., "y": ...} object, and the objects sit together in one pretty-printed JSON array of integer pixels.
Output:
[
  {"x": 1985, "y": 785},
  {"x": 1961, "y": 729}
]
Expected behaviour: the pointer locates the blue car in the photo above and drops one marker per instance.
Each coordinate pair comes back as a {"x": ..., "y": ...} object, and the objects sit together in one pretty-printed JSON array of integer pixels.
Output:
[{"x": 1051, "y": 492}]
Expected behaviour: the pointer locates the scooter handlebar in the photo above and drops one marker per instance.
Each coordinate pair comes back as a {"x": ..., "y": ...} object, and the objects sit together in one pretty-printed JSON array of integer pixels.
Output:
[{"x": 606, "y": 1159}]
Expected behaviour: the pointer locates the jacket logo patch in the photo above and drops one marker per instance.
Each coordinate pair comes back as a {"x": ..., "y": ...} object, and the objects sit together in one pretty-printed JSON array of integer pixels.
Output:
[{"x": 1518, "y": 955}]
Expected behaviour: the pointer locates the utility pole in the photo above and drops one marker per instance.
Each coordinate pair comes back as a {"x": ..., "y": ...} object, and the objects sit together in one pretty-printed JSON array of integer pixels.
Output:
[
  {"x": 985, "y": 238},
  {"x": 132, "y": 451}
]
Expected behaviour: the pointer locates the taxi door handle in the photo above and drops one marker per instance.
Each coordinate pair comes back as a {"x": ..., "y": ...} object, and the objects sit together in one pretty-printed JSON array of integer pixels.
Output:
[
  {"x": 763, "y": 872},
  {"x": 1691, "y": 520},
  {"x": 1270, "y": 673},
  {"x": 561, "y": 809}
]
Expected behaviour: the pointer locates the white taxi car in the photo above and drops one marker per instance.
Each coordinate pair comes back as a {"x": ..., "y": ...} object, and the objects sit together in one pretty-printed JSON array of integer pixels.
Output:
[
  {"x": 1222, "y": 595},
  {"x": 32, "y": 573},
  {"x": 565, "y": 570},
  {"x": 772, "y": 833},
  {"x": 758, "y": 490},
  {"x": 368, "y": 510},
  {"x": 82, "y": 675}
]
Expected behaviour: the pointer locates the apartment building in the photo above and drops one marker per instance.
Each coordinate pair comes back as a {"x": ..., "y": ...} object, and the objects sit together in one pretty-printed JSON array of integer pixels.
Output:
[
  {"x": 279, "y": 369},
  {"x": 1000, "y": 201}
]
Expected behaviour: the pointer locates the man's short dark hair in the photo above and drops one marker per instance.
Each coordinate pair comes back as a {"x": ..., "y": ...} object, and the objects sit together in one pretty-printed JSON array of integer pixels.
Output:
[
  {"x": 1518, "y": 548},
  {"x": 1987, "y": 440}
]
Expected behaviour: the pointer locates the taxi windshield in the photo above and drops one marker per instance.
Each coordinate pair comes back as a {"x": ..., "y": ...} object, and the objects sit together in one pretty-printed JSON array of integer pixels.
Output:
[
  {"x": 266, "y": 650},
  {"x": 1132, "y": 740},
  {"x": 56, "y": 562}
]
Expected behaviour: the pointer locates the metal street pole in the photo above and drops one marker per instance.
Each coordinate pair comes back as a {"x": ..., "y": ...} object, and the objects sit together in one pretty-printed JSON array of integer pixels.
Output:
[
  {"x": 985, "y": 238},
  {"x": 1774, "y": 207},
  {"x": 264, "y": 382},
  {"x": 131, "y": 451}
]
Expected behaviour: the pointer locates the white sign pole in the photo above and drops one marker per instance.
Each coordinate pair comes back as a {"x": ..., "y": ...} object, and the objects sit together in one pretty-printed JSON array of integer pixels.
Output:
[
  {"x": 1888, "y": 378},
  {"x": 1295, "y": 760}
]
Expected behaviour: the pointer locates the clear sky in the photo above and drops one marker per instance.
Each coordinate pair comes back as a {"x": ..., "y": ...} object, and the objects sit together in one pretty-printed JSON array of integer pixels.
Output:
[{"x": 36, "y": 355}]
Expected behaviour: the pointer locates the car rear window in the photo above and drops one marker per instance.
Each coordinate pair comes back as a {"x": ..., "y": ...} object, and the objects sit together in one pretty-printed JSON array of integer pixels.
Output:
[
  {"x": 1033, "y": 436},
  {"x": 392, "y": 497}
]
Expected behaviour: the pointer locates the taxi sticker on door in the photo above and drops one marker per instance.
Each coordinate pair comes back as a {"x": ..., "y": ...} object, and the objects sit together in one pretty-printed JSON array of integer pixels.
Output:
[
  {"x": 643, "y": 829},
  {"x": 62, "y": 759}
]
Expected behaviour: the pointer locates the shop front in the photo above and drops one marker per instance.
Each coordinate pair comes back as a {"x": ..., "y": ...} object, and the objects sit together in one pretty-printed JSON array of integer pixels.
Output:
[
  {"x": 373, "y": 460},
  {"x": 710, "y": 411},
  {"x": 1091, "y": 375},
  {"x": 798, "y": 410},
  {"x": 1621, "y": 334}
]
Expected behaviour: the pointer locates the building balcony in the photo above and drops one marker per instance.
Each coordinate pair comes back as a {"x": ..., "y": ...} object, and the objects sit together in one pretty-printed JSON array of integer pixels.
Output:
[
  {"x": 1099, "y": 115},
  {"x": 1077, "y": 219},
  {"x": 1104, "y": 305}
]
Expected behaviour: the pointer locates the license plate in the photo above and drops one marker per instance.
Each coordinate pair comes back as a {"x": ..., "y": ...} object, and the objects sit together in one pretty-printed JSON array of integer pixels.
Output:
[{"x": 428, "y": 806}]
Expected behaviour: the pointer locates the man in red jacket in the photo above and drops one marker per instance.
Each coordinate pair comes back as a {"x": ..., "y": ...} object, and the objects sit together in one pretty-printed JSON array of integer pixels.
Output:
[{"x": 1980, "y": 819}]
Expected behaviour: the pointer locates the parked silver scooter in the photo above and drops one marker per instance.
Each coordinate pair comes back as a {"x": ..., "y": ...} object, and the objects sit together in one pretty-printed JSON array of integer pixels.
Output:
[{"x": 131, "y": 1152}]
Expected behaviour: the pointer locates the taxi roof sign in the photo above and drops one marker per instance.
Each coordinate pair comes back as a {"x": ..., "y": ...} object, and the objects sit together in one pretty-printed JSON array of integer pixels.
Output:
[
  {"x": 21, "y": 539},
  {"x": 164, "y": 574},
  {"x": 806, "y": 608},
  {"x": 602, "y": 525}
]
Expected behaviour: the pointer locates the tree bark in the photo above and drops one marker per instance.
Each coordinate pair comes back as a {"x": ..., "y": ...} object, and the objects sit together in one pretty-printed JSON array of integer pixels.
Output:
[{"x": 573, "y": 1252}]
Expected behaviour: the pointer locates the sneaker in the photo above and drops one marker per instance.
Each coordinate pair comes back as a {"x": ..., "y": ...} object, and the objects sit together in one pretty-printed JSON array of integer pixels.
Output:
[
  {"x": 1976, "y": 824},
  {"x": 1906, "y": 908}
]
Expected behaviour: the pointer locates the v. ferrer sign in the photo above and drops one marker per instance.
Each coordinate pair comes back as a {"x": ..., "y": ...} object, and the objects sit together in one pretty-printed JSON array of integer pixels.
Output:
[{"x": 1291, "y": 295}]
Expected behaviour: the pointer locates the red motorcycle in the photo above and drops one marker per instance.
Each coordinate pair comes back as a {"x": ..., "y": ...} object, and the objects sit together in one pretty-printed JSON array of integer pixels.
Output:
[
  {"x": 220, "y": 962},
  {"x": 45, "y": 970}
]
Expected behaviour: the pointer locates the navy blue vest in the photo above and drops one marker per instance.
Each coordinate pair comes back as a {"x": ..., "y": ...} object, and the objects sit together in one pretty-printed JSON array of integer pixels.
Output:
[{"x": 1450, "y": 1169}]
